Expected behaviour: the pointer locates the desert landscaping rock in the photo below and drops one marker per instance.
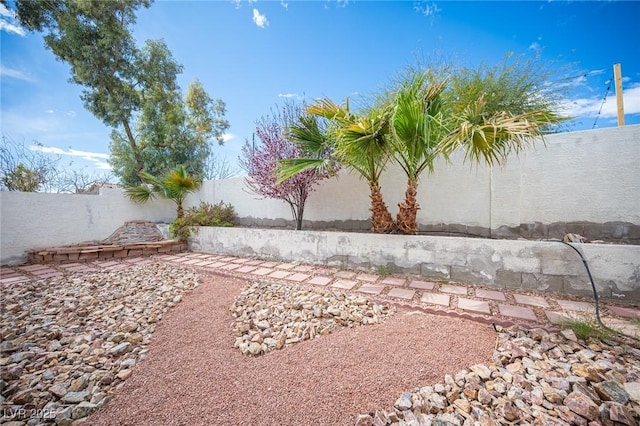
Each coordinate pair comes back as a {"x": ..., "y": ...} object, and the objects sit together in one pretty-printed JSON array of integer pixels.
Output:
[
  {"x": 271, "y": 316},
  {"x": 69, "y": 342},
  {"x": 536, "y": 377}
]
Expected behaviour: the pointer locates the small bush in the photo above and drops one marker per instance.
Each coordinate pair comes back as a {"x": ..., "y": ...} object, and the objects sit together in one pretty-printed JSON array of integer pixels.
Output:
[{"x": 205, "y": 214}]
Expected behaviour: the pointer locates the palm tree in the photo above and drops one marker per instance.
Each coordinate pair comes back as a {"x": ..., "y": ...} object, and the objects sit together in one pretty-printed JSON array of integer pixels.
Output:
[
  {"x": 355, "y": 141},
  {"x": 174, "y": 186},
  {"x": 418, "y": 124},
  {"x": 487, "y": 113}
]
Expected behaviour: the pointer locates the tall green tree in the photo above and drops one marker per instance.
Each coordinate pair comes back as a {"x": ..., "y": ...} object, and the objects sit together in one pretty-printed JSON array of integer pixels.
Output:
[
  {"x": 171, "y": 130},
  {"x": 93, "y": 37},
  {"x": 132, "y": 90}
]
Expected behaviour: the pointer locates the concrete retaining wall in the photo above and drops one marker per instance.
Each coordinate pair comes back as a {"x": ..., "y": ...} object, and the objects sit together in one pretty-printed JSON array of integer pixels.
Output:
[{"x": 529, "y": 265}]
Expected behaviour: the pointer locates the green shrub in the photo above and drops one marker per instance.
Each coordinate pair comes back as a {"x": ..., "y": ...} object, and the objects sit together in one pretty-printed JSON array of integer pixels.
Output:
[{"x": 205, "y": 214}]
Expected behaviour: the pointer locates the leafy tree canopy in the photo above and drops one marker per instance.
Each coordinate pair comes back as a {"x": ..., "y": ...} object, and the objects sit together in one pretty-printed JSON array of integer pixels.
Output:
[{"x": 130, "y": 89}]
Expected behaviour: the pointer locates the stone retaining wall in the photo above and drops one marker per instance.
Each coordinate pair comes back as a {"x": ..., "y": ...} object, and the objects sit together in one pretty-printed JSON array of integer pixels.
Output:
[
  {"x": 134, "y": 238},
  {"x": 528, "y": 265},
  {"x": 89, "y": 252}
]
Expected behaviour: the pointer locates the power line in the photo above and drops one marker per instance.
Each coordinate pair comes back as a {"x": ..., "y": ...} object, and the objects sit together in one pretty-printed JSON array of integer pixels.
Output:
[{"x": 606, "y": 93}]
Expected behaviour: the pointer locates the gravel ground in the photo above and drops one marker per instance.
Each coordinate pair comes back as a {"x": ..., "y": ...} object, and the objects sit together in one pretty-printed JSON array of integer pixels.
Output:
[{"x": 193, "y": 375}]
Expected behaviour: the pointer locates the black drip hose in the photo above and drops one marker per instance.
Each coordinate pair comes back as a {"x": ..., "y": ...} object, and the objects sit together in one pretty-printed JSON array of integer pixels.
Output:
[{"x": 595, "y": 293}]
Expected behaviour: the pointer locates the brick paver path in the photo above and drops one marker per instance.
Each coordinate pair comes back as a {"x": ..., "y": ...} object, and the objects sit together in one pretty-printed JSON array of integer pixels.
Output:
[{"x": 500, "y": 306}]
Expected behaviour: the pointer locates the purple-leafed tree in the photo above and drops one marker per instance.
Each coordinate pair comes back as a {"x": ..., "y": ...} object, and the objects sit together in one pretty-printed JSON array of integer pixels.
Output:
[{"x": 261, "y": 161}]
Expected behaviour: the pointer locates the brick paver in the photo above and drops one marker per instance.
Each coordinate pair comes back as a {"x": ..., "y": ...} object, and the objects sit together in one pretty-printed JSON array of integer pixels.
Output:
[
  {"x": 474, "y": 305},
  {"x": 15, "y": 280},
  {"x": 303, "y": 268},
  {"x": 572, "y": 305},
  {"x": 298, "y": 277},
  {"x": 624, "y": 312},
  {"x": 435, "y": 299},
  {"x": 422, "y": 285},
  {"x": 556, "y": 318},
  {"x": 286, "y": 266},
  {"x": 525, "y": 299},
  {"x": 402, "y": 293},
  {"x": 204, "y": 263},
  {"x": 320, "y": 280},
  {"x": 262, "y": 271},
  {"x": 246, "y": 269},
  {"x": 279, "y": 274},
  {"x": 344, "y": 284},
  {"x": 393, "y": 281},
  {"x": 371, "y": 289},
  {"x": 490, "y": 294},
  {"x": 345, "y": 274},
  {"x": 453, "y": 289},
  {"x": 517, "y": 312},
  {"x": 231, "y": 267},
  {"x": 31, "y": 268},
  {"x": 371, "y": 278}
]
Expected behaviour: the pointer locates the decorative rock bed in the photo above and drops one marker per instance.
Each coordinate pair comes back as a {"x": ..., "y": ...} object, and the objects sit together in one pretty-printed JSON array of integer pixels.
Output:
[
  {"x": 271, "y": 316},
  {"x": 536, "y": 378},
  {"x": 69, "y": 342}
]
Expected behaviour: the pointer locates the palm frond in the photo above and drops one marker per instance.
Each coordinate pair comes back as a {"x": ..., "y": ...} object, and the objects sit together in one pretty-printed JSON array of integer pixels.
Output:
[
  {"x": 287, "y": 168},
  {"x": 140, "y": 194},
  {"x": 309, "y": 137}
]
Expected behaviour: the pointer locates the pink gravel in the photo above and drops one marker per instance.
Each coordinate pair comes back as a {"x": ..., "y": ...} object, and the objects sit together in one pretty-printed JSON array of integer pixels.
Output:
[{"x": 192, "y": 375}]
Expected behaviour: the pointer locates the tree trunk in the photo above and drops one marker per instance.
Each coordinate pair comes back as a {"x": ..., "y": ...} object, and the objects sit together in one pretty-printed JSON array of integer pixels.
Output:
[
  {"x": 134, "y": 148},
  {"x": 408, "y": 210},
  {"x": 381, "y": 219},
  {"x": 180, "y": 212}
]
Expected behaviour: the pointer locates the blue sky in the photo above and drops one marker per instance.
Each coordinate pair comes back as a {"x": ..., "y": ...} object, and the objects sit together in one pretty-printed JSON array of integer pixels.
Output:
[{"x": 256, "y": 54}]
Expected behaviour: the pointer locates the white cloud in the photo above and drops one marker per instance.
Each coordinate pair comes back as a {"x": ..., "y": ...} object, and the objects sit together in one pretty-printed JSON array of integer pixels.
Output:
[
  {"x": 427, "y": 9},
  {"x": 259, "y": 19},
  {"x": 49, "y": 111},
  {"x": 94, "y": 157},
  {"x": 288, "y": 95},
  {"x": 6, "y": 12},
  {"x": 284, "y": 4},
  {"x": 534, "y": 46},
  {"x": 71, "y": 113},
  {"x": 228, "y": 136},
  {"x": 19, "y": 75},
  {"x": 238, "y": 3},
  {"x": 8, "y": 22},
  {"x": 589, "y": 107}
]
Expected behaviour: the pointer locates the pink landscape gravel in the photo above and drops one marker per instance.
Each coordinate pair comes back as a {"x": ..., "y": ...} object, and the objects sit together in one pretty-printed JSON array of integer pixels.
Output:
[{"x": 192, "y": 374}]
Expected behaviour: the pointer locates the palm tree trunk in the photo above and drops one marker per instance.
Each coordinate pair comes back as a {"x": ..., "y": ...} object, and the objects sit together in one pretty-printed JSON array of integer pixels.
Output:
[
  {"x": 179, "y": 211},
  {"x": 381, "y": 219},
  {"x": 407, "y": 223}
]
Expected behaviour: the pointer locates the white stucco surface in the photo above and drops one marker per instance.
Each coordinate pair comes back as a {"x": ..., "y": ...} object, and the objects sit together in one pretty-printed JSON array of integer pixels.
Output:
[{"x": 29, "y": 220}]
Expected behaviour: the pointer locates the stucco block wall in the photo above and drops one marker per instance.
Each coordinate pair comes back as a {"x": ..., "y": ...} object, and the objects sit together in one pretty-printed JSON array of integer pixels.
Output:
[
  {"x": 584, "y": 182},
  {"x": 30, "y": 220},
  {"x": 529, "y": 265}
]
